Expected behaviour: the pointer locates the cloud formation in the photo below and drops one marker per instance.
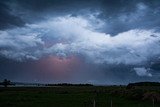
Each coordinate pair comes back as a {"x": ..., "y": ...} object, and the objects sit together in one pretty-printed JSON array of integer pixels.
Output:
[
  {"x": 119, "y": 16},
  {"x": 142, "y": 72},
  {"x": 67, "y": 35},
  {"x": 115, "y": 41}
]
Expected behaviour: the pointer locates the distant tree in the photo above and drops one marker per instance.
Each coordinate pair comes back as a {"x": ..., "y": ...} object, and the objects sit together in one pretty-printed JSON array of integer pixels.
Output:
[
  {"x": 6, "y": 82},
  {"x": 133, "y": 85}
]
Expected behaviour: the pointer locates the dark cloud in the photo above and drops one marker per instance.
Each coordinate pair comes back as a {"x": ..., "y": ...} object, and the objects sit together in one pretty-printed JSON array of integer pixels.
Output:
[
  {"x": 124, "y": 15},
  {"x": 118, "y": 39},
  {"x": 119, "y": 15},
  {"x": 8, "y": 20}
]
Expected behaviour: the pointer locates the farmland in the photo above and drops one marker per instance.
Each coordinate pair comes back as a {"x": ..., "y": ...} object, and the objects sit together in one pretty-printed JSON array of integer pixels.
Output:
[{"x": 79, "y": 96}]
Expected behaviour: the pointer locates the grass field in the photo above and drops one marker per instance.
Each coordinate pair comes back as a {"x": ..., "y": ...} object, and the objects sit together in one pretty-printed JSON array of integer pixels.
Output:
[{"x": 70, "y": 96}]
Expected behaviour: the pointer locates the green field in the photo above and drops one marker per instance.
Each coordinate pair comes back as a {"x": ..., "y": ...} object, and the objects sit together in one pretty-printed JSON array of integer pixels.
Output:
[{"x": 74, "y": 96}]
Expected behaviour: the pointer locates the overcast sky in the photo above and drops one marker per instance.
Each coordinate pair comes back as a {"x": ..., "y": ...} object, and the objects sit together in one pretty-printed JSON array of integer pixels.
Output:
[{"x": 80, "y": 41}]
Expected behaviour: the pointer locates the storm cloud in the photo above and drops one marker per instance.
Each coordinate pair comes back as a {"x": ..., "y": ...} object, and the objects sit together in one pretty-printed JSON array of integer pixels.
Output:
[{"x": 123, "y": 35}]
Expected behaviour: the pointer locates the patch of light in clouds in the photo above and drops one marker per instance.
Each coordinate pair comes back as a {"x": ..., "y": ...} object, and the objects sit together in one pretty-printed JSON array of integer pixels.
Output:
[{"x": 141, "y": 71}]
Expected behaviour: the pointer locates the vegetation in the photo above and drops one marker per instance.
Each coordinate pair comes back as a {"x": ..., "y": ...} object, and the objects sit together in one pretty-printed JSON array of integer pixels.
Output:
[
  {"x": 6, "y": 82},
  {"x": 79, "y": 96},
  {"x": 132, "y": 85}
]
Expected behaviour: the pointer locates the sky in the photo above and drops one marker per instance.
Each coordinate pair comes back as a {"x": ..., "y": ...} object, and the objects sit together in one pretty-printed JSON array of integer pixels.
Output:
[{"x": 103, "y": 42}]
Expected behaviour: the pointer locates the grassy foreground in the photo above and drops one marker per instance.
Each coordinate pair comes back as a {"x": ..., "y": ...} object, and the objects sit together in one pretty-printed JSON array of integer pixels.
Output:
[{"x": 73, "y": 96}]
